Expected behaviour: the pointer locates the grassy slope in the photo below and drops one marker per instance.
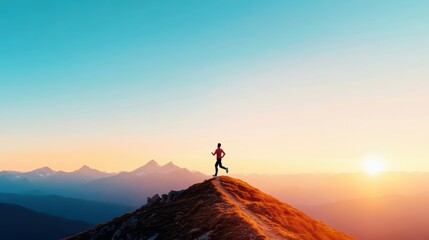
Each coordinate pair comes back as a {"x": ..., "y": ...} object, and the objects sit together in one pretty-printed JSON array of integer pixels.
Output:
[
  {"x": 286, "y": 220},
  {"x": 199, "y": 210}
]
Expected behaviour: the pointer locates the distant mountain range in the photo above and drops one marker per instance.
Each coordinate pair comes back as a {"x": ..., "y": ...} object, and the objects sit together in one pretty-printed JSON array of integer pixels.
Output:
[
  {"x": 126, "y": 188},
  {"x": 46, "y": 180},
  {"x": 133, "y": 188},
  {"x": 218, "y": 208},
  {"x": 19, "y": 223},
  {"x": 83, "y": 174}
]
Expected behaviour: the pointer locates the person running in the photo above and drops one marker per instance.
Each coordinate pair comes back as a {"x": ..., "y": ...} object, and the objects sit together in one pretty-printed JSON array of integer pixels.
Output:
[{"x": 219, "y": 155}]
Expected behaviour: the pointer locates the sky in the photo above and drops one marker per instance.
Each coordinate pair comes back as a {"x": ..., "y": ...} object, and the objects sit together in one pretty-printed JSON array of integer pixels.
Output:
[{"x": 285, "y": 86}]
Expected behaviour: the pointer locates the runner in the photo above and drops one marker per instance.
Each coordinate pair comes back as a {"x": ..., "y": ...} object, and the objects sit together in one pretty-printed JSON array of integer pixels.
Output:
[{"x": 219, "y": 155}]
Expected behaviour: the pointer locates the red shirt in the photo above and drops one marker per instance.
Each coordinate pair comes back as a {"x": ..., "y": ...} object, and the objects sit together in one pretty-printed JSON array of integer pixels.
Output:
[{"x": 218, "y": 153}]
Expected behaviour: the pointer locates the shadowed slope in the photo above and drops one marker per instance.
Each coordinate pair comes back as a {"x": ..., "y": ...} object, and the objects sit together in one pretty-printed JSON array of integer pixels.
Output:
[
  {"x": 218, "y": 208},
  {"x": 72, "y": 208},
  {"x": 18, "y": 223}
]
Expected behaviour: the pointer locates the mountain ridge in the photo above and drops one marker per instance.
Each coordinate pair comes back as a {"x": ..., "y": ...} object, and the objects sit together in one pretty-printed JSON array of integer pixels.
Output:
[
  {"x": 218, "y": 208},
  {"x": 46, "y": 171}
]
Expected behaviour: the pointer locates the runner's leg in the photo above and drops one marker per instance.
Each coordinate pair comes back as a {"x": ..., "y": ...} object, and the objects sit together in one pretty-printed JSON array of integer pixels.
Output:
[
  {"x": 217, "y": 163},
  {"x": 220, "y": 164}
]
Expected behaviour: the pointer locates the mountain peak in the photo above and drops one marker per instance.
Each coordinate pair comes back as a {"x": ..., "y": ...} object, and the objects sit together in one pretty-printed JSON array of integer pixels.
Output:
[
  {"x": 170, "y": 163},
  {"x": 43, "y": 172},
  {"x": 150, "y": 167},
  {"x": 170, "y": 167},
  {"x": 218, "y": 208},
  {"x": 86, "y": 173},
  {"x": 85, "y": 168},
  {"x": 44, "y": 169},
  {"x": 152, "y": 163}
]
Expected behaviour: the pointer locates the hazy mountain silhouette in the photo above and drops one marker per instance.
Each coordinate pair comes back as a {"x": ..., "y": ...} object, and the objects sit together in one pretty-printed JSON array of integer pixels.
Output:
[
  {"x": 394, "y": 217},
  {"x": 91, "y": 173},
  {"x": 46, "y": 174},
  {"x": 13, "y": 182},
  {"x": 84, "y": 173},
  {"x": 41, "y": 173},
  {"x": 133, "y": 188},
  {"x": 218, "y": 208},
  {"x": 45, "y": 180},
  {"x": 18, "y": 223},
  {"x": 71, "y": 208},
  {"x": 151, "y": 167},
  {"x": 126, "y": 188}
]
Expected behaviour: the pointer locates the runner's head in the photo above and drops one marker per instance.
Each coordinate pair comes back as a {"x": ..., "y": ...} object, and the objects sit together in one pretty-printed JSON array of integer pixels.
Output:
[{"x": 218, "y": 145}]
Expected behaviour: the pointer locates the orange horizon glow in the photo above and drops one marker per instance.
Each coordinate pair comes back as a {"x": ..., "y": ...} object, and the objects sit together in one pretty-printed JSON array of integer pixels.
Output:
[{"x": 115, "y": 160}]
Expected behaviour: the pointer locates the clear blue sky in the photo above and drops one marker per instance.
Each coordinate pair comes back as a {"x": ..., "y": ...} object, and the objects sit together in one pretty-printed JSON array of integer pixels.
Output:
[{"x": 167, "y": 80}]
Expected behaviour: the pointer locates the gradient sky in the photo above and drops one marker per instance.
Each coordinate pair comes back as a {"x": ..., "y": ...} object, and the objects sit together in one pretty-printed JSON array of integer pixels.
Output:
[{"x": 286, "y": 86}]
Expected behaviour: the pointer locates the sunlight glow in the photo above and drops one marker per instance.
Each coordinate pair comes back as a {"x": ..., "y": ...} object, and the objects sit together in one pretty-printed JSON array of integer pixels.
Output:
[{"x": 373, "y": 164}]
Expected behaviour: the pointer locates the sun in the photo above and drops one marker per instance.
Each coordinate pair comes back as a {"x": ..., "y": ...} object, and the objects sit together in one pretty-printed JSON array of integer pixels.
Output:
[{"x": 373, "y": 164}]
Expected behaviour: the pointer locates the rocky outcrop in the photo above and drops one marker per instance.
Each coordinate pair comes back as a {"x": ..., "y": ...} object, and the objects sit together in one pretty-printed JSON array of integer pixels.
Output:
[
  {"x": 152, "y": 200},
  {"x": 165, "y": 198}
]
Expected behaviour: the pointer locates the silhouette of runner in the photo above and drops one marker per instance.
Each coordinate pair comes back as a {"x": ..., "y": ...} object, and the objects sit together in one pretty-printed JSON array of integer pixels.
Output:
[{"x": 219, "y": 155}]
